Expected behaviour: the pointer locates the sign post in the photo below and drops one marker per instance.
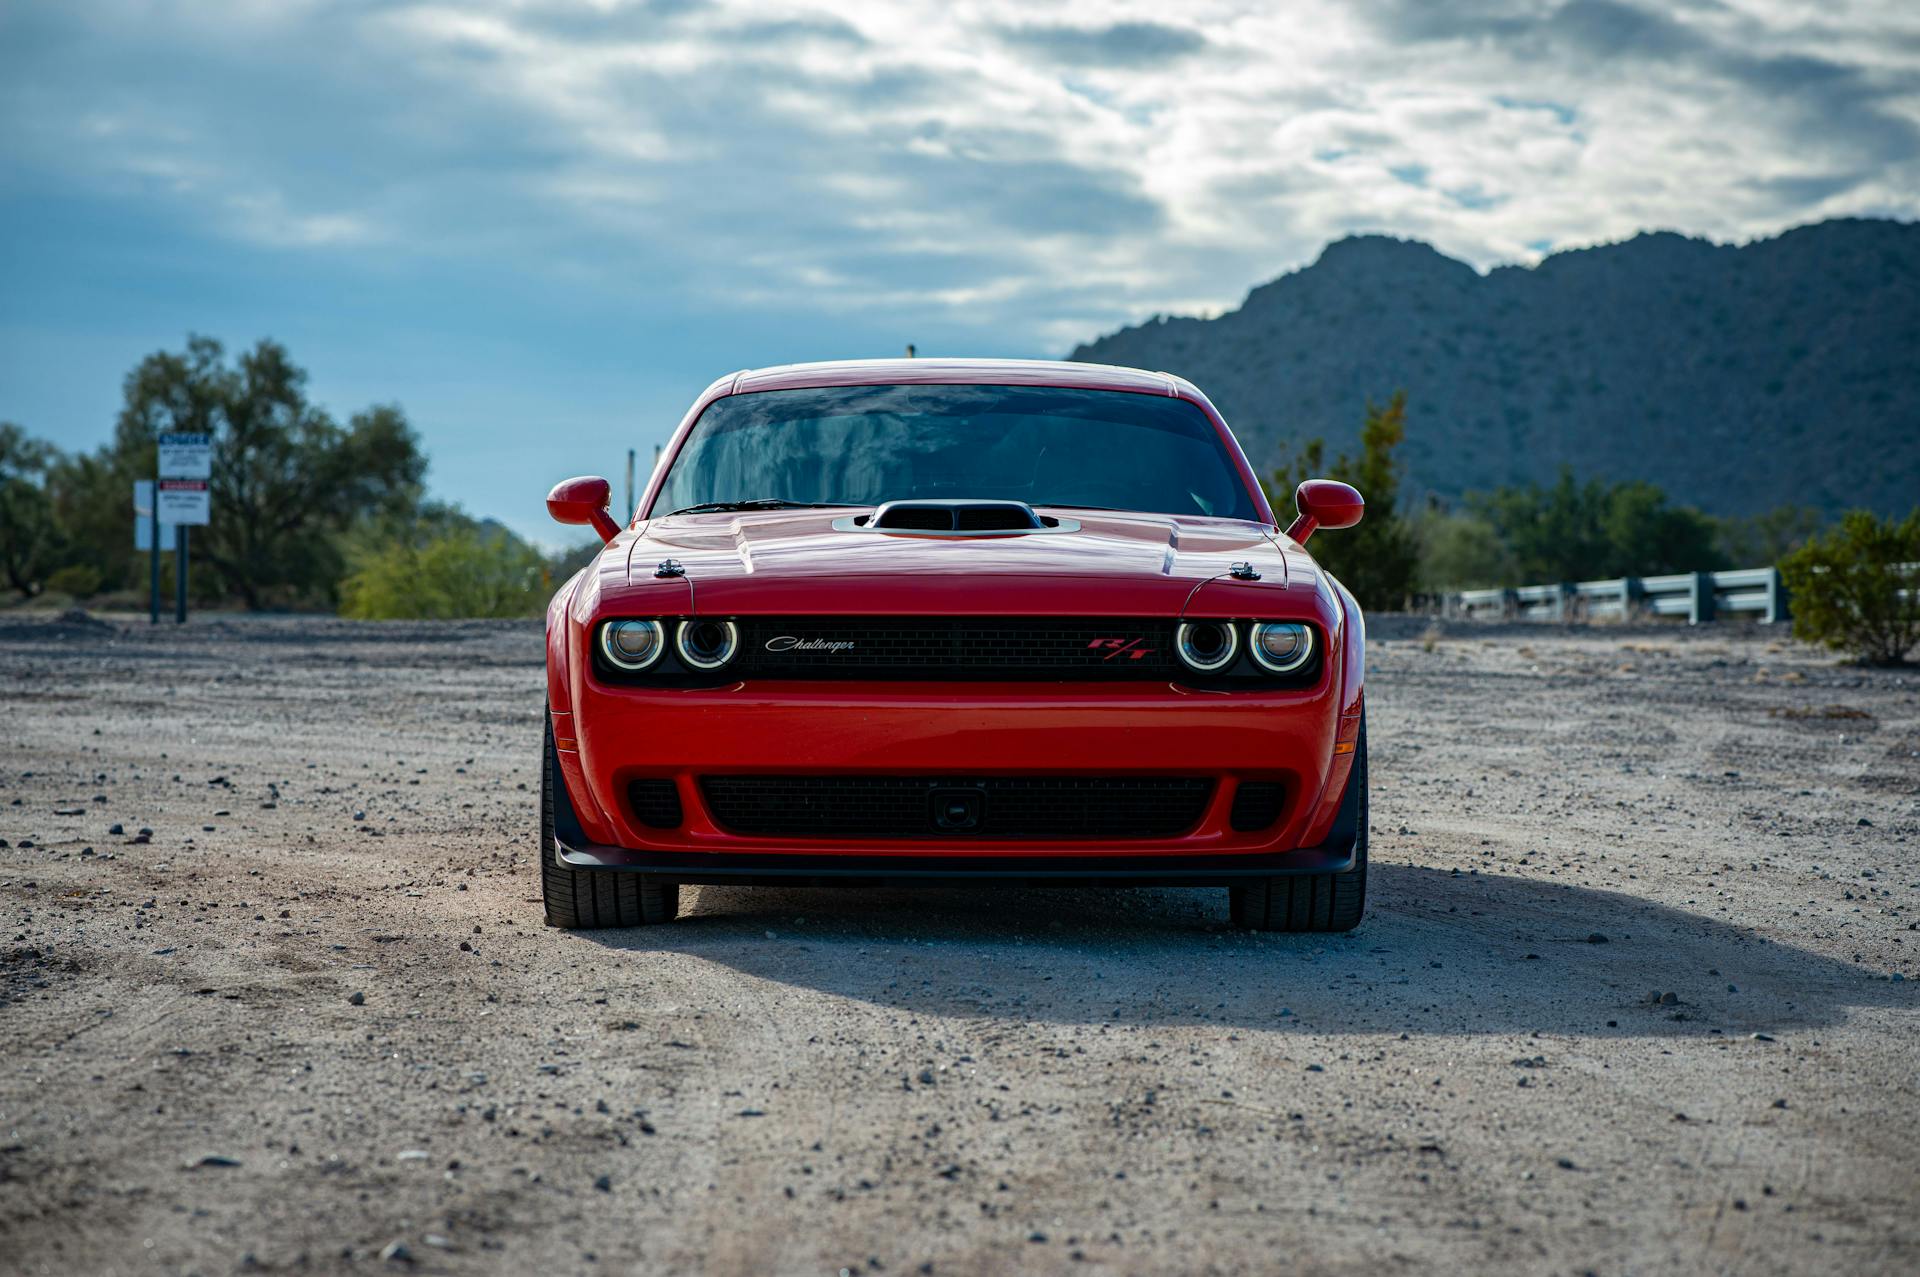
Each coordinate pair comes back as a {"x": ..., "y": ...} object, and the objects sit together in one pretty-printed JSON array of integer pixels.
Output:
[
  {"x": 180, "y": 574},
  {"x": 180, "y": 498}
]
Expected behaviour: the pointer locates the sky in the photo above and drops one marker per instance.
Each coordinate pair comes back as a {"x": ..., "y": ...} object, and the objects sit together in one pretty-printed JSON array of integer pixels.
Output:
[{"x": 542, "y": 226}]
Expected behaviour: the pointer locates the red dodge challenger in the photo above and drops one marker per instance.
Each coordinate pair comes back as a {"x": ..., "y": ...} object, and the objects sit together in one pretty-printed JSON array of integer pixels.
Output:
[{"x": 959, "y": 621}]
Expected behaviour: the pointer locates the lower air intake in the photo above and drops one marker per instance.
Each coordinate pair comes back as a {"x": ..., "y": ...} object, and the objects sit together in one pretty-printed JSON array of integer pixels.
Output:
[
  {"x": 655, "y": 803},
  {"x": 1031, "y": 807},
  {"x": 1256, "y": 804}
]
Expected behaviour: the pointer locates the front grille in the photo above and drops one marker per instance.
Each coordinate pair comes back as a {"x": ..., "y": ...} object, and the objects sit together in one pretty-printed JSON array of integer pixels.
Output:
[
  {"x": 656, "y": 803},
  {"x": 1038, "y": 807},
  {"x": 1256, "y": 804},
  {"x": 955, "y": 647}
]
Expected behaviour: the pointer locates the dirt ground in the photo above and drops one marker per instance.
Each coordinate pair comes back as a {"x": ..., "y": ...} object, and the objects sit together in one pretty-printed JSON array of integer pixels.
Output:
[{"x": 1637, "y": 992}]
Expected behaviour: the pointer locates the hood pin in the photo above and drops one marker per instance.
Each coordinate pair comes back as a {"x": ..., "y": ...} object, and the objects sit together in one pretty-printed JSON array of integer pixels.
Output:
[
  {"x": 1243, "y": 572},
  {"x": 669, "y": 567}
]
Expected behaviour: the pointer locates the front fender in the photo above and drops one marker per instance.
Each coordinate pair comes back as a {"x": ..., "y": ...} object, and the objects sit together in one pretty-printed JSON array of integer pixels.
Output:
[
  {"x": 559, "y": 690},
  {"x": 598, "y": 591},
  {"x": 1352, "y": 656},
  {"x": 564, "y": 655},
  {"x": 1353, "y": 650}
]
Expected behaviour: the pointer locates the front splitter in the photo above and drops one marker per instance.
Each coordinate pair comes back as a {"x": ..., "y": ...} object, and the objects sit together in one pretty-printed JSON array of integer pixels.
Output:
[{"x": 802, "y": 869}]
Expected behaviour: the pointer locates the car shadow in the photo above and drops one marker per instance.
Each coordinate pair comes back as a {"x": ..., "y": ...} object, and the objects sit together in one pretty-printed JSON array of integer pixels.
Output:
[{"x": 1439, "y": 952}]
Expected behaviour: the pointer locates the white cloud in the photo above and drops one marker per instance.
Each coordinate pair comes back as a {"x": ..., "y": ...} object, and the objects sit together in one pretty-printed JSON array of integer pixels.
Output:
[
  {"x": 1048, "y": 176},
  {"x": 265, "y": 219}
]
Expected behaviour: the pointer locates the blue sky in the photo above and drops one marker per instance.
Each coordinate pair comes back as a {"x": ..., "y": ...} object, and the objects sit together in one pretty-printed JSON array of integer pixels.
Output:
[{"x": 541, "y": 226}]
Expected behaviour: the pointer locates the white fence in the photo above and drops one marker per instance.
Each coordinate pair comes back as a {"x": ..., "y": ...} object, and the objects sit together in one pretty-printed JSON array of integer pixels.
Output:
[{"x": 1698, "y": 596}]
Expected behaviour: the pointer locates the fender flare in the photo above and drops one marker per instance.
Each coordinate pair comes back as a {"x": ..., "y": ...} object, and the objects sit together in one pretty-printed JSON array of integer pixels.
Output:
[{"x": 573, "y": 795}]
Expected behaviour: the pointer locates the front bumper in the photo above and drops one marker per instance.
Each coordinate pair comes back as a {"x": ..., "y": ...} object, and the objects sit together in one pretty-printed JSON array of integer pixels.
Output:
[
  {"x": 616, "y": 735},
  {"x": 1337, "y": 854}
]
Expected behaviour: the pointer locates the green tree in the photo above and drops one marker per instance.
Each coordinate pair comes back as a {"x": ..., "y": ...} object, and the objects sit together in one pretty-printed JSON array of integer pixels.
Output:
[
  {"x": 1576, "y": 532},
  {"x": 1760, "y": 539},
  {"x": 1645, "y": 536},
  {"x": 1378, "y": 558},
  {"x": 1857, "y": 588},
  {"x": 30, "y": 542},
  {"x": 288, "y": 483},
  {"x": 92, "y": 502},
  {"x": 1551, "y": 534}
]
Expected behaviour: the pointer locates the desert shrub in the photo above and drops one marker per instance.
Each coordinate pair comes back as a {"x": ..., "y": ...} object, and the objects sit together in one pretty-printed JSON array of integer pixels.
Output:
[
  {"x": 1857, "y": 587},
  {"x": 76, "y": 580},
  {"x": 459, "y": 572},
  {"x": 1460, "y": 552}
]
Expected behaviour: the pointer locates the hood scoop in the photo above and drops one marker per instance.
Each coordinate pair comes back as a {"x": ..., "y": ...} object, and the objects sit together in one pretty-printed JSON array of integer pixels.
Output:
[{"x": 954, "y": 517}]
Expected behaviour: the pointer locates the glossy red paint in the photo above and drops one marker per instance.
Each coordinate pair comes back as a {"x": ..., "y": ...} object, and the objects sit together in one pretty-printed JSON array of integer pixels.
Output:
[
  {"x": 584, "y": 500},
  {"x": 1324, "y": 503},
  {"x": 796, "y": 562}
]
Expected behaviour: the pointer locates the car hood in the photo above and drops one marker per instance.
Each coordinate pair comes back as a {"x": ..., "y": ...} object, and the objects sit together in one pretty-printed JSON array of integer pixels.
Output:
[{"x": 799, "y": 562}]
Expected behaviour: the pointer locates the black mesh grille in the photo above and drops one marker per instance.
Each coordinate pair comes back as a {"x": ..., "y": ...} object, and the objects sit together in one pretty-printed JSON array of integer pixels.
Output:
[
  {"x": 1041, "y": 807},
  {"x": 1256, "y": 804},
  {"x": 656, "y": 803},
  {"x": 950, "y": 647}
]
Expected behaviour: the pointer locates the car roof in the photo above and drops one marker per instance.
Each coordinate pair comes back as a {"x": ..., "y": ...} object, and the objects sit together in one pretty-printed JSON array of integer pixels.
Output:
[{"x": 977, "y": 372}]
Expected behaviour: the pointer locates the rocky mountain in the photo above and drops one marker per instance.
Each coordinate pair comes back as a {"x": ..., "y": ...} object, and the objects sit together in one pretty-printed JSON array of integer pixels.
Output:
[{"x": 1736, "y": 378}]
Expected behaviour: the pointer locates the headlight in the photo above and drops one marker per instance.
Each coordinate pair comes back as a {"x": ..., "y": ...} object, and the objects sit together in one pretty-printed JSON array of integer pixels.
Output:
[
  {"x": 707, "y": 645},
  {"x": 1281, "y": 647},
  {"x": 1207, "y": 646},
  {"x": 632, "y": 645}
]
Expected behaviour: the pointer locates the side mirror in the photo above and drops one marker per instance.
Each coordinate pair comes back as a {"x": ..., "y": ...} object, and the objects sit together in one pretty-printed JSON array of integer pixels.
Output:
[
  {"x": 1325, "y": 503},
  {"x": 584, "y": 500}
]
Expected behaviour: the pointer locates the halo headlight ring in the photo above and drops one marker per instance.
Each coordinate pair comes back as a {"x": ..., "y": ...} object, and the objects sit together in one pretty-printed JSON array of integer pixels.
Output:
[
  {"x": 1191, "y": 641},
  {"x": 690, "y": 640},
  {"x": 632, "y": 645},
  {"x": 1289, "y": 662}
]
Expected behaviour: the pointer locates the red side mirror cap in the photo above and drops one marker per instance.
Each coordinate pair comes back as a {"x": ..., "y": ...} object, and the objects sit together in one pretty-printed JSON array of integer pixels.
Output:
[
  {"x": 1325, "y": 503},
  {"x": 584, "y": 500}
]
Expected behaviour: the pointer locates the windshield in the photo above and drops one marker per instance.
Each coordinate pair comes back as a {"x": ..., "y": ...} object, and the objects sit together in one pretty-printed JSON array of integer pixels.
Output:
[{"x": 862, "y": 445}]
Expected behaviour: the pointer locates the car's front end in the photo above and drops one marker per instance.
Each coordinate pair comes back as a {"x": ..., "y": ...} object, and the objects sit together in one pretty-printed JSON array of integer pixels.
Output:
[{"x": 956, "y": 687}]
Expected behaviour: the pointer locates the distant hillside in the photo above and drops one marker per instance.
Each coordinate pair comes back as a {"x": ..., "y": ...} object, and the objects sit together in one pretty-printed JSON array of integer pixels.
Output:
[{"x": 1737, "y": 379}]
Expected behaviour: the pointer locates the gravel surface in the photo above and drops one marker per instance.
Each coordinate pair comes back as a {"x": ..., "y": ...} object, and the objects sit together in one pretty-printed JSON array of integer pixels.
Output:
[{"x": 1637, "y": 992}]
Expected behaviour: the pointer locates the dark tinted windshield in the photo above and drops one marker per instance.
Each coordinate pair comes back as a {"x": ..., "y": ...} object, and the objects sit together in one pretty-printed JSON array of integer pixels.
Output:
[{"x": 861, "y": 445}]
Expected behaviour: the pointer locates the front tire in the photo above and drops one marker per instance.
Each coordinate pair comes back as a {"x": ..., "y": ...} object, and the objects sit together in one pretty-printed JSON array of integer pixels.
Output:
[
  {"x": 1312, "y": 902},
  {"x": 585, "y": 899}
]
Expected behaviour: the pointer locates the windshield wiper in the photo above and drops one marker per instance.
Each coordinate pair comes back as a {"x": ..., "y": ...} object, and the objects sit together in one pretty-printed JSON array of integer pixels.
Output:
[{"x": 758, "y": 503}]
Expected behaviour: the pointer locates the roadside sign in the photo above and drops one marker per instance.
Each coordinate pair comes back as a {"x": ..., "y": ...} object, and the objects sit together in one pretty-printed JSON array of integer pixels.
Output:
[
  {"x": 184, "y": 501},
  {"x": 186, "y": 456},
  {"x": 181, "y": 501},
  {"x": 143, "y": 514}
]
